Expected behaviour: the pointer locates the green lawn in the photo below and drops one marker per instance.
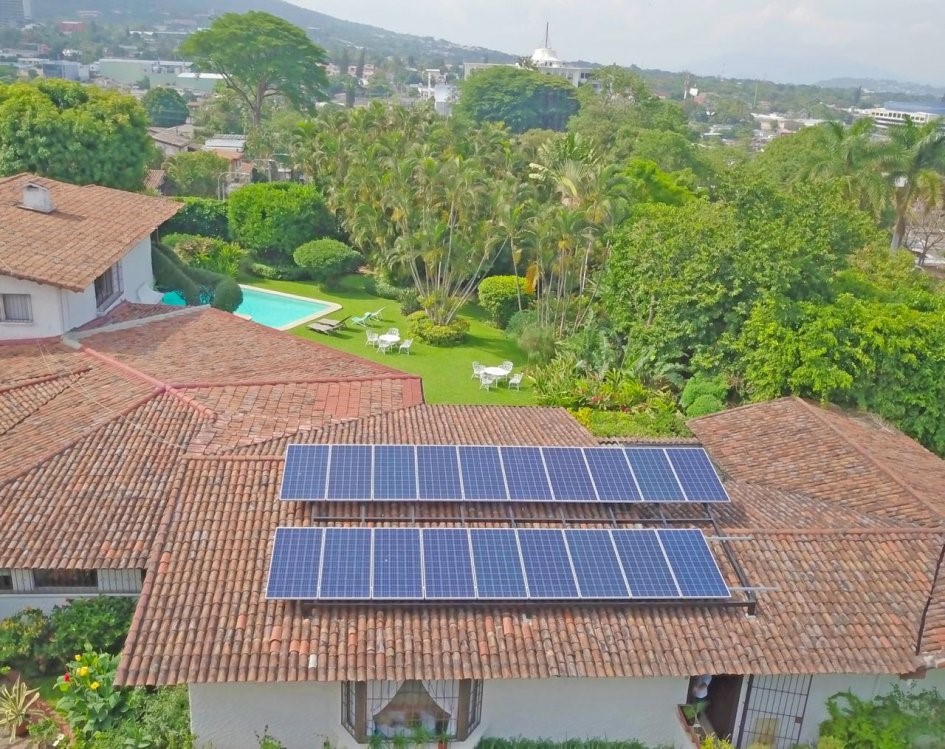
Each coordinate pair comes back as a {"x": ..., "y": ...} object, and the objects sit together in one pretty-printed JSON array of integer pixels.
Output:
[{"x": 446, "y": 371}]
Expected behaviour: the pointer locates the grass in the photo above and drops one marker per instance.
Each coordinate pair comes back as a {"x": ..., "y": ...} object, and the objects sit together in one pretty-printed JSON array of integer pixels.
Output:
[
  {"x": 46, "y": 686},
  {"x": 446, "y": 371}
]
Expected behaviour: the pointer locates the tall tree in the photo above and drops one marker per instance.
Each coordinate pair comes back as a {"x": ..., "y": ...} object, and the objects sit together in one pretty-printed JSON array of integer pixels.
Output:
[
  {"x": 165, "y": 107},
  {"x": 76, "y": 133},
  {"x": 195, "y": 174},
  {"x": 260, "y": 56}
]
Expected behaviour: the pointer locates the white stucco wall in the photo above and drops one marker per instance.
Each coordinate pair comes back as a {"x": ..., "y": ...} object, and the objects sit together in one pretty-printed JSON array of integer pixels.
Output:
[
  {"x": 110, "y": 582},
  {"x": 47, "y": 310},
  {"x": 306, "y": 715},
  {"x": 137, "y": 272}
]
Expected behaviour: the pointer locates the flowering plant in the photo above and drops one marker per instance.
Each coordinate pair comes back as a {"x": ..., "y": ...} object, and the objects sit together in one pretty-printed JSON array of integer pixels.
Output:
[{"x": 89, "y": 698}]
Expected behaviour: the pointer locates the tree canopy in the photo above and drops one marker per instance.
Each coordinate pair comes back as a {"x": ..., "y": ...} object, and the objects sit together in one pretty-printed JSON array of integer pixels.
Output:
[
  {"x": 260, "y": 56},
  {"x": 522, "y": 99},
  {"x": 165, "y": 107},
  {"x": 195, "y": 174},
  {"x": 75, "y": 133}
]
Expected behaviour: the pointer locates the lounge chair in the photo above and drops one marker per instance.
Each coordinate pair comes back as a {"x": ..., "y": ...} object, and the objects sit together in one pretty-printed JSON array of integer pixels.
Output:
[
  {"x": 361, "y": 320},
  {"x": 327, "y": 325},
  {"x": 375, "y": 315}
]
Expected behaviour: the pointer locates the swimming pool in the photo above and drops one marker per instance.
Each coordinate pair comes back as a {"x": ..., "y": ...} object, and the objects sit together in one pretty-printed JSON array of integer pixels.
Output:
[{"x": 271, "y": 308}]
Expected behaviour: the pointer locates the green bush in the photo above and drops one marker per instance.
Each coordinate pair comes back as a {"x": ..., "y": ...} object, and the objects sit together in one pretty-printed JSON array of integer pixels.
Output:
[
  {"x": 897, "y": 720},
  {"x": 616, "y": 424},
  {"x": 500, "y": 297},
  {"x": 424, "y": 329},
  {"x": 273, "y": 218},
  {"x": 279, "y": 272},
  {"x": 379, "y": 286},
  {"x": 704, "y": 405},
  {"x": 101, "y": 622},
  {"x": 703, "y": 395},
  {"x": 409, "y": 302},
  {"x": 208, "y": 253},
  {"x": 204, "y": 217},
  {"x": 89, "y": 698},
  {"x": 521, "y": 743},
  {"x": 326, "y": 260},
  {"x": 227, "y": 295},
  {"x": 20, "y": 635}
]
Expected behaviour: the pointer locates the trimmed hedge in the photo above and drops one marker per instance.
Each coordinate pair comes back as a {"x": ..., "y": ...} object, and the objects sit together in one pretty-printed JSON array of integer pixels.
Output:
[
  {"x": 327, "y": 259},
  {"x": 195, "y": 285},
  {"x": 205, "y": 217},
  {"x": 499, "y": 296},
  {"x": 424, "y": 329}
]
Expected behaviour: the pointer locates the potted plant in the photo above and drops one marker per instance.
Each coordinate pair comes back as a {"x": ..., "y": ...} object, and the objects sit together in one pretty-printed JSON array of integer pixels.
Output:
[
  {"x": 16, "y": 708},
  {"x": 691, "y": 712}
]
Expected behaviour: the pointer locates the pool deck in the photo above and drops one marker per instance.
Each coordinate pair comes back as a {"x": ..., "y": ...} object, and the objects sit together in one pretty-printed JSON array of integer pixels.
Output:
[{"x": 329, "y": 306}]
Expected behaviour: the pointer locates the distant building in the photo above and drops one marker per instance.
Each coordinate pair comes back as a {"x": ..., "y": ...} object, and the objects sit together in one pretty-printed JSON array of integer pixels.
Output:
[
  {"x": 896, "y": 112},
  {"x": 66, "y": 69},
  {"x": 14, "y": 13},
  {"x": 71, "y": 27},
  {"x": 545, "y": 60},
  {"x": 171, "y": 140}
]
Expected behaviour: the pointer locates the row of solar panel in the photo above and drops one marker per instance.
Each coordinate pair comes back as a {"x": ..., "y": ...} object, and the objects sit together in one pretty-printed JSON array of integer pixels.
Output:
[
  {"x": 491, "y": 474},
  {"x": 412, "y": 564}
]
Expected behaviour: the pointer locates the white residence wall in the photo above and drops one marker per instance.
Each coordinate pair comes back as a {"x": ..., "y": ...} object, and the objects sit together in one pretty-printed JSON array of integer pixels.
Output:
[
  {"x": 48, "y": 317},
  {"x": 306, "y": 715},
  {"x": 110, "y": 582},
  {"x": 137, "y": 273}
]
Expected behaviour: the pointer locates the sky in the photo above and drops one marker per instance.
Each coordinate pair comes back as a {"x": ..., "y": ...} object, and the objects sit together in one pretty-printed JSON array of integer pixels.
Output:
[{"x": 781, "y": 40}]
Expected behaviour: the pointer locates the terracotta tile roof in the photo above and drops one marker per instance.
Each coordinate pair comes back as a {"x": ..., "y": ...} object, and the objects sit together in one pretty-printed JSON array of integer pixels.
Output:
[
  {"x": 933, "y": 634},
  {"x": 794, "y": 445},
  {"x": 90, "y": 229},
  {"x": 154, "y": 179},
  {"x": 169, "y": 136},
  {"x": 126, "y": 311}
]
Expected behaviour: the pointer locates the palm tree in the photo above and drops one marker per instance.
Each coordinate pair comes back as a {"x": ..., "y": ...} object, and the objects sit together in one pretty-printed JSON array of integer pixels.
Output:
[{"x": 913, "y": 162}]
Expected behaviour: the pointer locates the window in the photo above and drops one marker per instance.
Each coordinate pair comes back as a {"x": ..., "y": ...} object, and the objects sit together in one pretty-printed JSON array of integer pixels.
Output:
[
  {"x": 387, "y": 709},
  {"x": 16, "y": 308},
  {"x": 6, "y": 581},
  {"x": 64, "y": 579},
  {"x": 108, "y": 287}
]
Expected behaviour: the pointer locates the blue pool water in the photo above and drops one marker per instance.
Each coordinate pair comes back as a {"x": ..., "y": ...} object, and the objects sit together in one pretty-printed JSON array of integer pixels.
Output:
[{"x": 266, "y": 308}]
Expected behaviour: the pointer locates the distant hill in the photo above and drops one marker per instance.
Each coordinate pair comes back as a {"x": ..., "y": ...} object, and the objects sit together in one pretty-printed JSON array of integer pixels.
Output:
[
  {"x": 876, "y": 84},
  {"x": 327, "y": 31}
]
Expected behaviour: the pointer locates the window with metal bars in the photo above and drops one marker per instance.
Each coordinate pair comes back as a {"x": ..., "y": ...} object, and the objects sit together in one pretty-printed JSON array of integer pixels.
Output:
[
  {"x": 774, "y": 711},
  {"x": 65, "y": 580}
]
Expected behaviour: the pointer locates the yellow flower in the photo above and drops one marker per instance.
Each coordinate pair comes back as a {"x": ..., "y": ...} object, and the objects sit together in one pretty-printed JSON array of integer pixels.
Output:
[
  {"x": 94, "y": 685},
  {"x": 78, "y": 657},
  {"x": 83, "y": 671}
]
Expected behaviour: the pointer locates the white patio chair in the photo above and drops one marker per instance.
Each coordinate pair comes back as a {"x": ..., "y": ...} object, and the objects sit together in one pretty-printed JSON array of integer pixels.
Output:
[
  {"x": 392, "y": 331},
  {"x": 507, "y": 366},
  {"x": 385, "y": 346},
  {"x": 516, "y": 381},
  {"x": 405, "y": 346},
  {"x": 477, "y": 369},
  {"x": 486, "y": 381},
  {"x": 371, "y": 338}
]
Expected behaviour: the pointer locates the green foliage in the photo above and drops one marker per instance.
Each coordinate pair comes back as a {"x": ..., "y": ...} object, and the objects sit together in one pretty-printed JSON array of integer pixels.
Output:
[
  {"x": 326, "y": 260},
  {"x": 273, "y": 218},
  {"x": 227, "y": 295},
  {"x": 268, "y": 741},
  {"x": 521, "y": 99},
  {"x": 380, "y": 286},
  {"x": 424, "y": 329},
  {"x": 829, "y": 742},
  {"x": 279, "y": 272},
  {"x": 16, "y": 706},
  {"x": 195, "y": 285},
  {"x": 502, "y": 297},
  {"x": 165, "y": 107},
  {"x": 67, "y": 131},
  {"x": 703, "y": 395},
  {"x": 206, "y": 252},
  {"x": 200, "y": 216},
  {"x": 537, "y": 341},
  {"x": 898, "y": 720},
  {"x": 100, "y": 622},
  {"x": 642, "y": 423},
  {"x": 195, "y": 173},
  {"x": 89, "y": 698},
  {"x": 260, "y": 56},
  {"x": 45, "y": 734},
  {"x": 409, "y": 302},
  {"x": 20, "y": 635},
  {"x": 522, "y": 743}
]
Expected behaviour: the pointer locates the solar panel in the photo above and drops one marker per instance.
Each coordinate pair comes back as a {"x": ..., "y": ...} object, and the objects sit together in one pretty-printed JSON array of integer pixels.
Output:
[
  {"x": 482, "y": 473},
  {"x": 525, "y": 473},
  {"x": 596, "y": 566},
  {"x": 438, "y": 472},
  {"x": 569, "y": 476},
  {"x": 397, "y": 572},
  {"x": 498, "y": 564},
  {"x": 644, "y": 564},
  {"x": 349, "y": 472},
  {"x": 693, "y": 565},
  {"x": 304, "y": 474},
  {"x": 696, "y": 474},
  {"x": 410, "y": 564},
  {"x": 447, "y": 563},
  {"x": 654, "y": 475},
  {"x": 346, "y": 564},
  {"x": 547, "y": 566},
  {"x": 487, "y": 473},
  {"x": 293, "y": 571}
]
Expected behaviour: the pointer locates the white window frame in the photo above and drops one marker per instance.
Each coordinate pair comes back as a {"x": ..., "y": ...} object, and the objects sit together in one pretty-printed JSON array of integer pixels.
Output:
[
  {"x": 114, "y": 275},
  {"x": 15, "y": 321}
]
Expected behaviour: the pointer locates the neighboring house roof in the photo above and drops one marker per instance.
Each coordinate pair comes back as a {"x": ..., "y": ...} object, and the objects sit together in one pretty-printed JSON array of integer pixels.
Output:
[
  {"x": 155, "y": 179},
  {"x": 169, "y": 137},
  {"x": 226, "y": 153},
  {"x": 90, "y": 229}
]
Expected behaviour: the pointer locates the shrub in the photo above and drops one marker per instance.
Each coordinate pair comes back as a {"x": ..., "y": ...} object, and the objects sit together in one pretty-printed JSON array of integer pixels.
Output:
[
  {"x": 326, "y": 259},
  {"x": 227, "y": 295},
  {"x": 204, "y": 217},
  {"x": 273, "y": 218},
  {"x": 703, "y": 395},
  {"x": 897, "y": 720},
  {"x": 16, "y": 706},
  {"x": 382, "y": 287},
  {"x": 100, "y": 622},
  {"x": 521, "y": 743},
  {"x": 195, "y": 285},
  {"x": 704, "y": 405},
  {"x": 208, "y": 253},
  {"x": 279, "y": 272},
  {"x": 409, "y": 302},
  {"x": 20, "y": 635},
  {"x": 424, "y": 329},
  {"x": 500, "y": 297},
  {"x": 90, "y": 700},
  {"x": 631, "y": 424}
]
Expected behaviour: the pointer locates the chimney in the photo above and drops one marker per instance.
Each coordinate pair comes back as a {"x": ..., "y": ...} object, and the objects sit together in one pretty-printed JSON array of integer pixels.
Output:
[{"x": 37, "y": 198}]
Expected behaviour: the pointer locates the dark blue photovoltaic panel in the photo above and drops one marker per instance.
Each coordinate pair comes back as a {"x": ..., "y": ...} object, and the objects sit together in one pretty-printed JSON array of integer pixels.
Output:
[
  {"x": 395, "y": 474},
  {"x": 346, "y": 565},
  {"x": 447, "y": 564},
  {"x": 596, "y": 565},
  {"x": 498, "y": 564},
  {"x": 397, "y": 564},
  {"x": 525, "y": 473},
  {"x": 303, "y": 476},
  {"x": 693, "y": 564},
  {"x": 438, "y": 470},
  {"x": 349, "y": 472},
  {"x": 696, "y": 474},
  {"x": 546, "y": 564},
  {"x": 611, "y": 474},
  {"x": 654, "y": 475},
  {"x": 293, "y": 571},
  {"x": 567, "y": 471},
  {"x": 482, "y": 473},
  {"x": 644, "y": 564}
]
